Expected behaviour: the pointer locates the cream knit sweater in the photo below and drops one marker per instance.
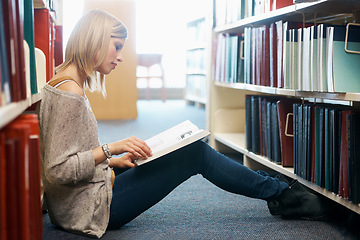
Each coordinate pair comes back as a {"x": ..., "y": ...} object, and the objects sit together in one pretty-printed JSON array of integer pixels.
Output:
[{"x": 77, "y": 194}]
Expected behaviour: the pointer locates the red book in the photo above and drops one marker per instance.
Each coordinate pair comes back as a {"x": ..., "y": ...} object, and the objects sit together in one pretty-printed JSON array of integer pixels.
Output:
[
  {"x": 266, "y": 57},
  {"x": 58, "y": 45},
  {"x": 10, "y": 22},
  {"x": 19, "y": 13},
  {"x": 17, "y": 160},
  {"x": 273, "y": 55},
  {"x": 3, "y": 209},
  {"x": 344, "y": 170},
  {"x": 283, "y": 3},
  {"x": 44, "y": 38},
  {"x": 13, "y": 226},
  {"x": 34, "y": 175},
  {"x": 285, "y": 107}
]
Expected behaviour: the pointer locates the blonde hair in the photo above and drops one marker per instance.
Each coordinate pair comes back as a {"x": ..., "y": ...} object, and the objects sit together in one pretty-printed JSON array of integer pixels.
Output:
[{"x": 91, "y": 34}]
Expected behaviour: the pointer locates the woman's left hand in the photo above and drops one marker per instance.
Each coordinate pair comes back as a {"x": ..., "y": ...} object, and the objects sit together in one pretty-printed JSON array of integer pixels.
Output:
[{"x": 125, "y": 161}]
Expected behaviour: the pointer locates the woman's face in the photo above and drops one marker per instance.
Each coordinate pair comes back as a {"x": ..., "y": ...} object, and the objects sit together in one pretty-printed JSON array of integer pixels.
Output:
[{"x": 113, "y": 56}]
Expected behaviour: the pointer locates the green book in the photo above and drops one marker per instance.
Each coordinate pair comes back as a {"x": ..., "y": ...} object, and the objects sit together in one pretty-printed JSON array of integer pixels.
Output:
[
  {"x": 29, "y": 38},
  {"x": 317, "y": 145},
  {"x": 327, "y": 148},
  {"x": 344, "y": 72}
]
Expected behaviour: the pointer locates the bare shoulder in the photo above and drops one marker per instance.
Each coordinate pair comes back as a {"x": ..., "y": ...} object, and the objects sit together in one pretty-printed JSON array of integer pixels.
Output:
[{"x": 71, "y": 86}]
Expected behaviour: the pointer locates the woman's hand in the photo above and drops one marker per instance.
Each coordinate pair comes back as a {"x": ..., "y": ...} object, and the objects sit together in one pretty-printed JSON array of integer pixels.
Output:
[
  {"x": 125, "y": 161},
  {"x": 134, "y": 146}
]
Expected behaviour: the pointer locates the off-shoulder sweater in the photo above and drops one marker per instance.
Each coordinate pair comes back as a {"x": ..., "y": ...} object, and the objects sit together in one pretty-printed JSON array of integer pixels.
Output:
[{"x": 77, "y": 193}]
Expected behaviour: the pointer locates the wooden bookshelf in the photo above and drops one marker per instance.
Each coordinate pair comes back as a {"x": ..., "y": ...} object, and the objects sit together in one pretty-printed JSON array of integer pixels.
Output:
[
  {"x": 229, "y": 98},
  {"x": 10, "y": 111}
]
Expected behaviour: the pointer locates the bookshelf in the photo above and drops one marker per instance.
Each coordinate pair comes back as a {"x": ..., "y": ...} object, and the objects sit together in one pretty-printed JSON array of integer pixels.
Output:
[
  {"x": 226, "y": 104},
  {"x": 195, "y": 62},
  {"x": 23, "y": 73}
]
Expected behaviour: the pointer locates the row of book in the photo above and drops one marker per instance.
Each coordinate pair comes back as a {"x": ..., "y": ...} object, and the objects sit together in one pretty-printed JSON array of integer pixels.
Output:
[
  {"x": 229, "y": 63},
  {"x": 321, "y": 141},
  {"x": 288, "y": 55},
  {"x": 195, "y": 61},
  {"x": 326, "y": 147},
  {"x": 196, "y": 32},
  {"x": 196, "y": 85},
  {"x": 28, "y": 49},
  {"x": 230, "y": 11},
  {"x": 265, "y": 128},
  {"x": 20, "y": 182}
]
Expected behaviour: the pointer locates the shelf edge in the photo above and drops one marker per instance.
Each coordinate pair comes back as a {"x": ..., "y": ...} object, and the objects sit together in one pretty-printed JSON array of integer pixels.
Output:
[{"x": 10, "y": 111}]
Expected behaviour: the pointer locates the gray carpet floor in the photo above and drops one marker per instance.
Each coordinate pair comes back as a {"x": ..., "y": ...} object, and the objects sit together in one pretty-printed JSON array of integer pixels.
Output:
[{"x": 197, "y": 209}]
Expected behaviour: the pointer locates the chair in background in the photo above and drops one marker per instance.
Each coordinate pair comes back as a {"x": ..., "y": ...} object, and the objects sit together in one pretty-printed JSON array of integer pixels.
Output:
[{"x": 149, "y": 60}]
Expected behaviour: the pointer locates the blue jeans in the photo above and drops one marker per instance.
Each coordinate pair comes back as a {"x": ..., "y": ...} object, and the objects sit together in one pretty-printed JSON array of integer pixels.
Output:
[{"x": 139, "y": 188}]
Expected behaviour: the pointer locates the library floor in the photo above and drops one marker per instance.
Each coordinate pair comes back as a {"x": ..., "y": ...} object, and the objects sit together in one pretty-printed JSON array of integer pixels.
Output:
[{"x": 197, "y": 209}]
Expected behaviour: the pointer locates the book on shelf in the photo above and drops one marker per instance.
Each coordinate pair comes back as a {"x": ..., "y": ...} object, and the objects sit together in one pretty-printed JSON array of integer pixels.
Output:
[
  {"x": 40, "y": 60},
  {"x": 44, "y": 38},
  {"x": 277, "y": 4},
  {"x": 248, "y": 122},
  {"x": 227, "y": 12},
  {"x": 280, "y": 47},
  {"x": 18, "y": 66},
  {"x": 17, "y": 161},
  {"x": 344, "y": 167},
  {"x": 272, "y": 55},
  {"x": 342, "y": 66},
  {"x": 5, "y": 73},
  {"x": 354, "y": 165},
  {"x": 19, "y": 13},
  {"x": 262, "y": 126},
  {"x": 293, "y": 55},
  {"x": 326, "y": 146},
  {"x": 172, "y": 139},
  {"x": 348, "y": 170},
  {"x": 3, "y": 193},
  {"x": 29, "y": 38},
  {"x": 321, "y": 58},
  {"x": 31, "y": 122},
  {"x": 58, "y": 45},
  {"x": 256, "y": 126},
  {"x": 285, "y": 110},
  {"x": 14, "y": 48},
  {"x": 324, "y": 143},
  {"x": 229, "y": 64},
  {"x": 247, "y": 55},
  {"x": 20, "y": 161},
  {"x": 335, "y": 130},
  {"x": 265, "y": 58}
]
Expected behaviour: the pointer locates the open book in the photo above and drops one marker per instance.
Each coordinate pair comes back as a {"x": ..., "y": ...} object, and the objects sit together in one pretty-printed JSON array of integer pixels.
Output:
[{"x": 172, "y": 139}]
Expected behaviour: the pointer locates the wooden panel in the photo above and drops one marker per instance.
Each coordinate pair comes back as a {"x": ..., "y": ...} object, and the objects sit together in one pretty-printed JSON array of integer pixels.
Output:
[{"x": 122, "y": 95}]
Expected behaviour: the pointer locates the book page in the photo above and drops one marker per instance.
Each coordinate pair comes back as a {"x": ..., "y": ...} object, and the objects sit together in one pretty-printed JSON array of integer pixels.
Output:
[
  {"x": 172, "y": 139},
  {"x": 172, "y": 136}
]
